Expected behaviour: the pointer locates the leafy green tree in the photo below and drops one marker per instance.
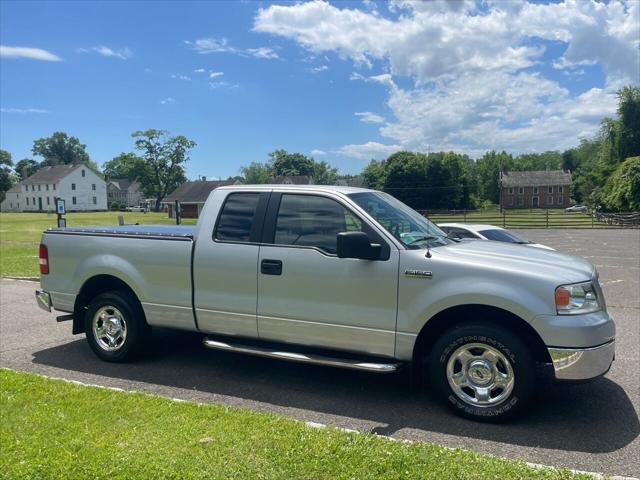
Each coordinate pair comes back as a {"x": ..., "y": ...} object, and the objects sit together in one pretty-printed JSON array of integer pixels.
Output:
[
  {"x": 284, "y": 163},
  {"x": 487, "y": 174},
  {"x": 26, "y": 167},
  {"x": 5, "y": 173},
  {"x": 256, "y": 173},
  {"x": 324, "y": 174},
  {"x": 60, "y": 148},
  {"x": 628, "y": 128},
  {"x": 126, "y": 165},
  {"x": 622, "y": 190},
  {"x": 163, "y": 161}
]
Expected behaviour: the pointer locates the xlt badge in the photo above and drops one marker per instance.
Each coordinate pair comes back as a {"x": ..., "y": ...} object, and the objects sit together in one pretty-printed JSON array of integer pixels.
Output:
[{"x": 418, "y": 273}]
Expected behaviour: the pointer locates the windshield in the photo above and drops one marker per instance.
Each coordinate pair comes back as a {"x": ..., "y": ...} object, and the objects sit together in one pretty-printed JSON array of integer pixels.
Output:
[
  {"x": 502, "y": 236},
  {"x": 401, "y": 221}
]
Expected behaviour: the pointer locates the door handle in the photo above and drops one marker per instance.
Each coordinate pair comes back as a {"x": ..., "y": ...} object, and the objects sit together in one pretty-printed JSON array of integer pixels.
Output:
[{"x": 271, "y": 267}]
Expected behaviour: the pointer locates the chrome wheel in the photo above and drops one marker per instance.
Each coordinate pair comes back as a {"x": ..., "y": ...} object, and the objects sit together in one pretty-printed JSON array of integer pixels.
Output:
[
  {"x": 480, "y": 375},
  {"x": 109, "y": 328}
]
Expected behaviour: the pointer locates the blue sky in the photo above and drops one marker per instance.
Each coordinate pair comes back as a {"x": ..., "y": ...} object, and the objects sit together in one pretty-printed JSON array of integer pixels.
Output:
[{"x": 344, "y": 82}]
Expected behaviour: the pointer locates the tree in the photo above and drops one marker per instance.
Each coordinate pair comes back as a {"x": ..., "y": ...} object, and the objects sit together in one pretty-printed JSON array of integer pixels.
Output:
[
  {"x": 628, "y": 128},
  {"x": 60, "y": 149},
  {"x": 622, "y": 190},
  {"x": 126, "y": 165},
  {"x": 26, "y": 167},
  {"x": 324, "y": 174},
  {"x": 163, "y": 157},
  {"x": 284, "y": 163},
  {"x": 256, "y": 173},
  {"x": 5, "y": 173}
]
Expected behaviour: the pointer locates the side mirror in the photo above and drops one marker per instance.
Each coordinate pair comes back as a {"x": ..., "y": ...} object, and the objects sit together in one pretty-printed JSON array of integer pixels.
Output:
[{"x": 357, "y": 245}]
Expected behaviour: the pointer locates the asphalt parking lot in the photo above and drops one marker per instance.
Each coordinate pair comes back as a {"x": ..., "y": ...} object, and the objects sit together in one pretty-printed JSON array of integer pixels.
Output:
[{"x": 592, "y": 427}]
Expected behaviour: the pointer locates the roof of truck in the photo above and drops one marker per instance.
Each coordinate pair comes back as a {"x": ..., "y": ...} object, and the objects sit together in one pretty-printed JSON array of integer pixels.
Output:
[{"x": 322, "y": 188}]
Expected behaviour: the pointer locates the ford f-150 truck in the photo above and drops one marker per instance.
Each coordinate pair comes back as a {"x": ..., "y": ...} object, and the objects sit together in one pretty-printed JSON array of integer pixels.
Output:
[{"x": 343, "y": 277}]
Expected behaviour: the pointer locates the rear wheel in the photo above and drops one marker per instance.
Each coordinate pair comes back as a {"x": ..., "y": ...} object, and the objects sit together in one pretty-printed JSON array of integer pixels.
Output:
[
  {"x": 115, "y": 326},
  {"x": 483, "y": 372}
]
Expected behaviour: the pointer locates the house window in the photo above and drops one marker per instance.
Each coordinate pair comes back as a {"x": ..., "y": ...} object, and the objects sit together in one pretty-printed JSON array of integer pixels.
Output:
[
  {"x": 550, "y": 200},
  {"x": 521, "y": 201},
  {"x": 95, "y": 200},
  {"x": 535, "y": 190},
  {"x": 560, "y": 189},
  {"x": 33, "y": 188},
  {"x": 39, "y": 187},
  {"x": 83, "y": 173},
  {"x": 48, "y": 201},
  {"x": 549, "y": 189},
  {"x": 73, "y": 200},
  {"x": 34, "y": 201},
  {"x": 54, "y": 186},
  {"x": 27, "y": 201},
  {"x": 73, "y": 186},
  {"x": 93, "y": 187},
  {"x": 521, "y": 190},
  {"x": 510, "y": 201},
  {"x": 47, "y": 187},
  {"x": 510, "y": 190},
  {"x": 560, "y": 200}
]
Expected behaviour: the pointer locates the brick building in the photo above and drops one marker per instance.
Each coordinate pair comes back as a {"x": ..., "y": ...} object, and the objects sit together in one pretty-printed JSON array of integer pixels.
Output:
[{"x": 535, "y": 189}]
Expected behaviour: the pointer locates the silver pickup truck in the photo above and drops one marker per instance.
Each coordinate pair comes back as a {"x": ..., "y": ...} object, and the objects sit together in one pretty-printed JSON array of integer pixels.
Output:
[{"x": 343, "y": 277}]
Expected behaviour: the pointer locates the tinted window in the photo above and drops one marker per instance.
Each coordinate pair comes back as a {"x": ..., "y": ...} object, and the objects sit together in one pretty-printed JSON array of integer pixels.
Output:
[
  {"x": 236, "y": 218},
  {"x": 313, "y": 221},
  {"x": 502, "y": 236}
]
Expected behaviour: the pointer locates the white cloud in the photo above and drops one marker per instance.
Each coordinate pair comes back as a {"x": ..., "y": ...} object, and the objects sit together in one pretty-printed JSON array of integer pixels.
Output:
[
  {"x": 167, "y": 101},
  {"x": 7, "y": 51},
  {"x": 321, "y": 68},
  {"x": 318, "y": 152},
  {"x": 122, "y": 53},
  {"x": 477, "y": 68},
  {"x": 368, "y": 151},
  {"x": 23, "y": 110},
  {"x": 199, "y": 70},
  {"x": 369, "y": 117},
  {"x": 221, "y": 45},
  {"x": 215, "y": 74},
  {"x": 181, "y": 77},
  {"x": 223, "y": 84}
]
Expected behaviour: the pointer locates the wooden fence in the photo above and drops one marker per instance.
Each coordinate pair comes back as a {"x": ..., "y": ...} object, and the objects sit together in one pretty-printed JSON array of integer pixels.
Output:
[{"x": 536, "y": 218}]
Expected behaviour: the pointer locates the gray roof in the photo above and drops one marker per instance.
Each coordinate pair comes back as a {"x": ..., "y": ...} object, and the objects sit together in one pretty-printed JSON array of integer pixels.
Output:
[
  {"x": 539, "y": 178},
  {"x": 51, "y": 174},
  {"x": 291, "y": 179},
  {"x": 122, "y": 183},
  {"x": 17, "y": 188},
  {"x": 195, "y": 192}
]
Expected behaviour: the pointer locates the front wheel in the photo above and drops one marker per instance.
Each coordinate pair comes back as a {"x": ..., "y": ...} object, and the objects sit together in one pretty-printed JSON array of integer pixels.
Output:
[
  {"x": 115, "y": 326},
  {"x": 483, "y": 372}
]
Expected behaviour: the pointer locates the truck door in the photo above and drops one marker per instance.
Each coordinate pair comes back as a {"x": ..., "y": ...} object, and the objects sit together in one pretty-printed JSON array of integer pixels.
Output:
[
  {"x": 307, "y": 295},
  {"x": 225, "y": 266}
]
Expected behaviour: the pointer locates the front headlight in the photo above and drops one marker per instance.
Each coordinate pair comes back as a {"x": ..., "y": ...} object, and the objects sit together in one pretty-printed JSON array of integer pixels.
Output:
[{"x": 577, "y": 298}]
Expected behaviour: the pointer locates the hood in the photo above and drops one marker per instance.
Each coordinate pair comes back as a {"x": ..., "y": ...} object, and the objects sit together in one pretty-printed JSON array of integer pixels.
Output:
[{"x": 566, "y": 268}]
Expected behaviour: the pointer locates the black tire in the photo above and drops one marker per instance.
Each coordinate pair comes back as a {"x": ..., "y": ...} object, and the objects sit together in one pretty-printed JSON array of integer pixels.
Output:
[
  {"x": 116, "y": 304},
  {"x": 519, "y": 368}
]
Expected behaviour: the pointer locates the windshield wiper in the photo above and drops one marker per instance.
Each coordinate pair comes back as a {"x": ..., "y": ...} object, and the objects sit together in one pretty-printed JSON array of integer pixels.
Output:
[{"x": 423, "y": 238}]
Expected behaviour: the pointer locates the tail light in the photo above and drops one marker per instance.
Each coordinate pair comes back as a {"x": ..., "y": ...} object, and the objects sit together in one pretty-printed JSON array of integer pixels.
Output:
[{"x": 44, "y": 259}]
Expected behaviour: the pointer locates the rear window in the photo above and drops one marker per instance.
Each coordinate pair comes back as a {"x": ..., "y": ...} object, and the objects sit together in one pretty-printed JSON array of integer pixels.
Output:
[{"x": 236, "y": 218}]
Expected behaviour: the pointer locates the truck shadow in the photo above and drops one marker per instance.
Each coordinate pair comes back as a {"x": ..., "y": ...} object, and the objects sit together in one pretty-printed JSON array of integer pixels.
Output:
[{"x": 594, "y": 418}]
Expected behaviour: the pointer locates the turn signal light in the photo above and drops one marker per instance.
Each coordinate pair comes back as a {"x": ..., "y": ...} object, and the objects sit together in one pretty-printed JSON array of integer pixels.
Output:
[{"x": 563, "y": 297}]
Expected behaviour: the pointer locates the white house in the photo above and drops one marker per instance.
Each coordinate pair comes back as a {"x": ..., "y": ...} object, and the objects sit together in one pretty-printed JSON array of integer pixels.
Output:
[
  {"x": 78, "y": 185},
  {"x": 125, "y": 192}
]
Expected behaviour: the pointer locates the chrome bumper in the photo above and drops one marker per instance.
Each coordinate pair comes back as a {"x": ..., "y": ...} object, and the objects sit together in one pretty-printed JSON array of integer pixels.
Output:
[
  {"x": 43, "y": 299},
  {"x": 582, "y": 363}
]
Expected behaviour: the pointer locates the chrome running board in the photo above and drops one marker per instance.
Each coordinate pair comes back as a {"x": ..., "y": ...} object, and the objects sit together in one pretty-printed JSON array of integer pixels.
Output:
[{"x": 302, "y": 357}]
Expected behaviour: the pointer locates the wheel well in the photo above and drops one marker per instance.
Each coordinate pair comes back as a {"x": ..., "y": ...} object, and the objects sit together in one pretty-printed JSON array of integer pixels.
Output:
[
  {"x": 446, "y": 319},
  {"x": 91, "y": 289}
]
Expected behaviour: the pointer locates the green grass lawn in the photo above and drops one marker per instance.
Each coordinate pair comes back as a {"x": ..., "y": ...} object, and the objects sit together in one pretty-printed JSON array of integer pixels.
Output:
[
  {"x": 20, "y": 234},
  {"x": 54, "y": 429}
]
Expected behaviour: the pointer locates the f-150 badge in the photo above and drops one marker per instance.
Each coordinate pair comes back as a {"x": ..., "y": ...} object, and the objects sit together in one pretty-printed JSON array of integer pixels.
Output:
[{"x": 418, "y": 273}]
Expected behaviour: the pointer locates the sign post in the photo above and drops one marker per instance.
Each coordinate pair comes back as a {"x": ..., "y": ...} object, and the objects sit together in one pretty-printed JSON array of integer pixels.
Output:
[
  {"x": 60, "y": 210},
  {"x": 178, "y": 210}
]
